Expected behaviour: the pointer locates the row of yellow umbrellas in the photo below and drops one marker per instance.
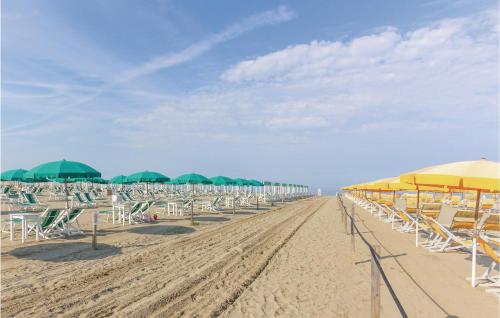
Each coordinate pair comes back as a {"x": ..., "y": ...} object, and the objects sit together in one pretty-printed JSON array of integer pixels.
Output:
[{"x": 480, "y": 176}]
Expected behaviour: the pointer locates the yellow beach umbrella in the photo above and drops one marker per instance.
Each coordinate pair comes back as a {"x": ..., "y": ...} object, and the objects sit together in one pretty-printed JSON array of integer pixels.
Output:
[
  {"x": 479, "y": 175},
  {"x": 483, "y": 175}
]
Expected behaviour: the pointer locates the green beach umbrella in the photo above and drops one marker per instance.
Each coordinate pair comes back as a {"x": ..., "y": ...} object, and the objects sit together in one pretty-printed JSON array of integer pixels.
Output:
[
  {"x": 121, "y": 179},
  {"x": 170, "y": 182},
  {"x": 67, "y": 180},
  {"x": 222, "y": 180},
  {"x": 242, "y": 182},
  {"x": 97, "y": 180},
  {"x": 256, "y": 183},
  {"x": 62, "y": 169},
  {"x": 192, "y": 178},
  {"x": 147, "y": 176},
  {"x": 268, "y": 183},
  {"x": 12, "y": 175},
  {"x": 30, "y": 179}
]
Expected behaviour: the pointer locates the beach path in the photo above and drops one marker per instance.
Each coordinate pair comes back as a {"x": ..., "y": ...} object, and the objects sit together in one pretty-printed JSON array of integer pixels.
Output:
[{"x": 317, "y": 274}]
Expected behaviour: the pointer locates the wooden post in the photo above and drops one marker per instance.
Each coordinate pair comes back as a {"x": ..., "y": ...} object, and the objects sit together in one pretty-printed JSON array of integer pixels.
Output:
[
  {"x": 95, "y": 220},
  {"x": 416, "y": 217},
  {"x": 257, "y": 201},
  {"x": 353, "y": 238},
  {"x": 345, "y": 222},
  {"x": 375, "y": 281},
  {"x": 234, "y": 205}
]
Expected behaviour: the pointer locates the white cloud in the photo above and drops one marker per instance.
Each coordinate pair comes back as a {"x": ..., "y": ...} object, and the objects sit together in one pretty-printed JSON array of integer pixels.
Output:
[
  {"x": 281, "y": 14},
  {"x": 75, "y": 100},
  {"x": 437, "y": 45}
]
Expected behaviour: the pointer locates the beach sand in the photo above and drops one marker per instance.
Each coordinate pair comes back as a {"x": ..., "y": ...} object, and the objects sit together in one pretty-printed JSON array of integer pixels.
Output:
[{"x": 294, "y": 260}]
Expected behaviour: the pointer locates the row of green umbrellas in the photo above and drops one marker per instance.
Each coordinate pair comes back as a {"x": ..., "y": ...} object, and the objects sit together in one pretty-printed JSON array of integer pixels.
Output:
[
  {"x": 65, "y": 171},
  {"x": 57, "y": 171}
]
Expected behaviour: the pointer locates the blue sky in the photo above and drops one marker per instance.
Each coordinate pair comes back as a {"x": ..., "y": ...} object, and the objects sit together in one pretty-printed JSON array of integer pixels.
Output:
[{"x": 325, "y": 93}]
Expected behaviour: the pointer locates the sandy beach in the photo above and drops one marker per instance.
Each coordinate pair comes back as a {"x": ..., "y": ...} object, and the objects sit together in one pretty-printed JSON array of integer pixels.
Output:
[{"x": 293, "y": 260}]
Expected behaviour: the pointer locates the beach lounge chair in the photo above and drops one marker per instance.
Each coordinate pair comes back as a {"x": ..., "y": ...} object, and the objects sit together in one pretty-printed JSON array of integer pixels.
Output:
[
  {"x": 386, "y": 213},
  {"x": 431, "y": 209},
  {"x": 408, "y": 221},
  {"x": 79, "y": 201},
  {"x": 68, "y": 223},
  {"x": 141, "y": 214},
  {"x": 47, "y": 225},
  {"x": 89, "y": 199},
  {"x": 5, "y": 192},
  {"x": 31, "y": 202},
  {"x": 212, "y": 205},
  {"x": 490, "y": 246},
  {"x": 464, "y": 220},
  {"x": 442, "y": 239}
]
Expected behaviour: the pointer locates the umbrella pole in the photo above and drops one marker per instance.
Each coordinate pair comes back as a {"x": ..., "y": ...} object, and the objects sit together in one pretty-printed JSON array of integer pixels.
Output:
[
  {"x": 66, "y": 192},
  {"x": 474, "y": 239},
  {"x": 416, "y": 218},
  {"x": 192, "y": 205}
]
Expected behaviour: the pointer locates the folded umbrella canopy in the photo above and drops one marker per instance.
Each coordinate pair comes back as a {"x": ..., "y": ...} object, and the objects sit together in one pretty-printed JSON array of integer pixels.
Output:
[
  {"x": 478, "y": 175},
  {"x": 12, "y": 175}
]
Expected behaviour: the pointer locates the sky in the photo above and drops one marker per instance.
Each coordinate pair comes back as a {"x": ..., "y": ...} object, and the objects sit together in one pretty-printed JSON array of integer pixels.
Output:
[{"x": 323, "y": 93}]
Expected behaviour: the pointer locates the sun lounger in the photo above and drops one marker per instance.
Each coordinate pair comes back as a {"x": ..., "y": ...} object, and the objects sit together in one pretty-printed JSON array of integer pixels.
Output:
[
  {"x": 408, "y": 221},
  {"x": 31, "y": 202},
  {"x": 79, "y": 201},
  {"x": 490, "y": 246},
  {"x": 431, "y": 209},
  {"x": 89, "y": 199},
  {"x": 47, "y": 225},
  {"x": 68, "y": 223},
  {"x": 442, "y": 239},
  {"x": 212, "y": 205}
]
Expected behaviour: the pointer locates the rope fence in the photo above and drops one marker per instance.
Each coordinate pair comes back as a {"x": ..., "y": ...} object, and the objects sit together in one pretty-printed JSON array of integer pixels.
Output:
[{"x": 376, "y": 267}]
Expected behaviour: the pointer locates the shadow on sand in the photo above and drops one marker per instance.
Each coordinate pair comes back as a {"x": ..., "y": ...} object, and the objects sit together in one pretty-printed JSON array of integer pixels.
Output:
[
  {"x": 65, "y": 252},
  {"x": 238, "y": 212},
  {"x": 162, "y": 230},
  {"x": 211, "y": 219}
]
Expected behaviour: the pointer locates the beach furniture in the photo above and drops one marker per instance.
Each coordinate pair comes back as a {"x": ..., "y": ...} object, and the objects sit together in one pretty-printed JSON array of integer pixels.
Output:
[
  {"x": 45, "y": 223},
  {"x": 78, "y": 200},
  {"x": 408, "y": 221},
  {"x": 89, "y": 199},
  {"x": 23, "y": 219},
  {"x": 491, "y": 247},
  {"x": 212, "y": 205},
  {"x": 431, "y": 209},
  {"x": 31, "y": 202},
  {"x": 68, "y": 223},
  {"x": 442, "y": 239}
]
